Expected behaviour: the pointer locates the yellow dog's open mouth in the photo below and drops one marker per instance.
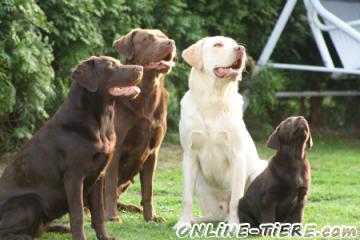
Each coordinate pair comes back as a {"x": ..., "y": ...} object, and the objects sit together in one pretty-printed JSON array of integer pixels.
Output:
[
  {"x": 229, "y": 72},
  {"x": 131, "y": 91}
]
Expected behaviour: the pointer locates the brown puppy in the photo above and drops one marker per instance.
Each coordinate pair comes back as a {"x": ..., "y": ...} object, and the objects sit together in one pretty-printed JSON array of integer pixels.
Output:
[
  {"x": 65, "y": 160},
  {"x": 140, "y": 123},
  {"x": 279, "y": 193}
]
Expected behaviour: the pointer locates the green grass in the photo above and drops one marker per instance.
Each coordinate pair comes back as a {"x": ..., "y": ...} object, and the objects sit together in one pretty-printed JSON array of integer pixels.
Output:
[{"x": 334, "y": 197}]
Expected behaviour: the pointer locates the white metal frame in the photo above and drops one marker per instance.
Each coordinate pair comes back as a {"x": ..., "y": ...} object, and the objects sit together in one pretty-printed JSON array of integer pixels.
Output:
[
  {"x": 314, "y": 10},
  {"x": 318, "y": 94}
]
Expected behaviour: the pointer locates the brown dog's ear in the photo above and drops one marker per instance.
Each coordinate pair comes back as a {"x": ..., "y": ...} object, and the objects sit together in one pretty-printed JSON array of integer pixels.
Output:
[
  {"x": 84, "y": 74},
  {"x": 193, "y": 55},
  {"x": 124, "y": 45},
  {"x": 309, "y": 142},
  {"x": 274, "y": 140}
]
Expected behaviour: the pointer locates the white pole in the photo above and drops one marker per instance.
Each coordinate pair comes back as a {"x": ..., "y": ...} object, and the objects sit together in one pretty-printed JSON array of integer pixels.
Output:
[
  {"x": 313, "y": 68},
  {"x": 318, "y": 36},
  {"x": 275, "y": 35},
  {"x": 343, "y": 26}
]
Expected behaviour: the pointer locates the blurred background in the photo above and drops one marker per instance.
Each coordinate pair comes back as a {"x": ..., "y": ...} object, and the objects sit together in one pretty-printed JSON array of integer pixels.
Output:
[{"x": 41, "y": 42}]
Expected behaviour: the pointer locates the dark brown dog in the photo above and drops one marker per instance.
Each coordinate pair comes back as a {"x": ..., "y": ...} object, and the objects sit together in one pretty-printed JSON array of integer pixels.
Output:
[
  {"x": 279, "y": 193},
  {"x": 140, "y": 122},
  {"x": 65, "y": 160}
]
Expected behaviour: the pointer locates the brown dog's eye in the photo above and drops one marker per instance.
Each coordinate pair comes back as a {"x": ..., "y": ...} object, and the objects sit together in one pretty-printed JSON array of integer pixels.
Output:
[
  {"x": 149, "y": 38},
  {"x": 218, "y": 45}
]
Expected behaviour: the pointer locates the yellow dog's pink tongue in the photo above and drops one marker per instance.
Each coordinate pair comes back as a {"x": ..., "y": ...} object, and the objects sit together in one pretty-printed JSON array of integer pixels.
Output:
[
  {"x": 221, "y": 72},
  {"x": 124, "y": 91},
  {"x": 225, "y": 72}
]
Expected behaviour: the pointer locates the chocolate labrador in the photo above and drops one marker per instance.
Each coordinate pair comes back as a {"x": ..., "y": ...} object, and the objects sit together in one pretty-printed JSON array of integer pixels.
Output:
[
  {"x": 279, "y": 193},
  {"x": 65, "y": 160},
  {"x": 140, "y": 123}
]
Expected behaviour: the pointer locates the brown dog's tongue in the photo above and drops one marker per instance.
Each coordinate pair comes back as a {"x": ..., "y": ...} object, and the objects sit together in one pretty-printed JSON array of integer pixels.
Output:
[
  {"x": 168, "y": 63},
  {"x": 124, "y": 91},
  {"x": 159, "y": 65}
]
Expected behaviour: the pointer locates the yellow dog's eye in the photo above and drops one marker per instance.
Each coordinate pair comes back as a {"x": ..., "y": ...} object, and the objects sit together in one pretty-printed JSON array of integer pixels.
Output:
[{"x": 218, "y": 45}]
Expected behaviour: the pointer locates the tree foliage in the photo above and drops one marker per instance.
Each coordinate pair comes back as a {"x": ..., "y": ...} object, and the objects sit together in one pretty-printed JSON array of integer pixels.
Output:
[
  {"x": 25, "y": 70},
  {"x": 41, "y": 41}
]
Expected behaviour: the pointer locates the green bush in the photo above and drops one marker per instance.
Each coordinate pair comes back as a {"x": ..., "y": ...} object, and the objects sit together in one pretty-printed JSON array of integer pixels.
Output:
[
  {"x": 41, "y": 42},
  {"x": 25, "y": 70}
]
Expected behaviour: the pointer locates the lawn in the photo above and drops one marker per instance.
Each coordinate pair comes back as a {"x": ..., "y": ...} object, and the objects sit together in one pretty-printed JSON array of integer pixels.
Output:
[{"x": 334, "y": 197}]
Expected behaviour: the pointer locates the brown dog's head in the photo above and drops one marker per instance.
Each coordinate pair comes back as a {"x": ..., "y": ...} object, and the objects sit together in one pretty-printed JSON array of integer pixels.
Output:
[
  {"x": 291, "y": 131},
  {"x": 108, "y": 76},
  {"x": 149, "y": 48}
]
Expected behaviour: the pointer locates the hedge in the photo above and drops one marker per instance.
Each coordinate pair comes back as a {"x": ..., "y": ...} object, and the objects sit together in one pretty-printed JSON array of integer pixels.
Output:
[{"x": 41, "y": 41}]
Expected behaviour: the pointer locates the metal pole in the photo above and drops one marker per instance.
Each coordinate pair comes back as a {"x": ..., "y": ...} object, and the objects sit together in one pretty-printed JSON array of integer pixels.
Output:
[
  {"x": 318, "y": 94},
  {"x": 343, "y": 26},
  {"x": 312, "y": 68},
  {"x": 275, "y": 35},
  {"x": 318, "y": 36}
]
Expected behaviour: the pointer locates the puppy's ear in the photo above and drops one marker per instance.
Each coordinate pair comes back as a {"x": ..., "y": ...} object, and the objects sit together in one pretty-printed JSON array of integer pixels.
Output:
[
  {"x": 309, "y": 142},
  {"x": 84, "y": 74},
  {"x": 193, "y": 55},
  {"x": 124, "y": 45},
  {"x": 274, "y": 140}
]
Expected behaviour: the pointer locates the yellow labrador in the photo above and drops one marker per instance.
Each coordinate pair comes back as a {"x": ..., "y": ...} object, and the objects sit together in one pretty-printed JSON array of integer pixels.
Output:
[{"x": 219, "y": 154}]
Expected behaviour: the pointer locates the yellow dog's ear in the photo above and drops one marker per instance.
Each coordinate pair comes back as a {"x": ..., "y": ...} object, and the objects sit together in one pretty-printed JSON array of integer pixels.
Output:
[{"x": 193, "y": 55}]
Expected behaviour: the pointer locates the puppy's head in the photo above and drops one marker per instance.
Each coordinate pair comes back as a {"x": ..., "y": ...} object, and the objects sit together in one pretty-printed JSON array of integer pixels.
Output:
[
  {"x": 149, "y": 48},
  {"x": 220, "y": 57},
  {"x": 291, "y": 131},
  {"x": 108, "y": 76}
]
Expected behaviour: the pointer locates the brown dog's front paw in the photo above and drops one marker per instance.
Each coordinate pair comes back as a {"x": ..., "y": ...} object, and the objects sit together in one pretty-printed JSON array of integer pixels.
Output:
[
  {"x": 58, "y": 228},
  {"x": 129, "y": 208},
  {"x": 17, "y": 237},
  {"x": 106, "y": 238},
  {"x": 155, "y": 218},
  {"x": 159, "y": 219},
  {"x": 114, "y": 219}
]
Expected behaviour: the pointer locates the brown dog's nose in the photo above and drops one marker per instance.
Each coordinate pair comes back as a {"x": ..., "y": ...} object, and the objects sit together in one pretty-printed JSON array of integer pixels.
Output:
[
  {"x": 300, "y": 118},
  {"x": 300, "y": 121},
  {"x": 171, "y": 42},
  {"x": 139, "y": 68}
]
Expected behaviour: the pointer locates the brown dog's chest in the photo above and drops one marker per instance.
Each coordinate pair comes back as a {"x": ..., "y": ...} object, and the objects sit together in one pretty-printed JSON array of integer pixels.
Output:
[
  {"x": 99, "y": 162},
  {"x": 142, "y": 140},
  {"x": 100, "y": 158},
  {"x": 140, "y": 128},
  {"x": 290, "y": 193}
]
